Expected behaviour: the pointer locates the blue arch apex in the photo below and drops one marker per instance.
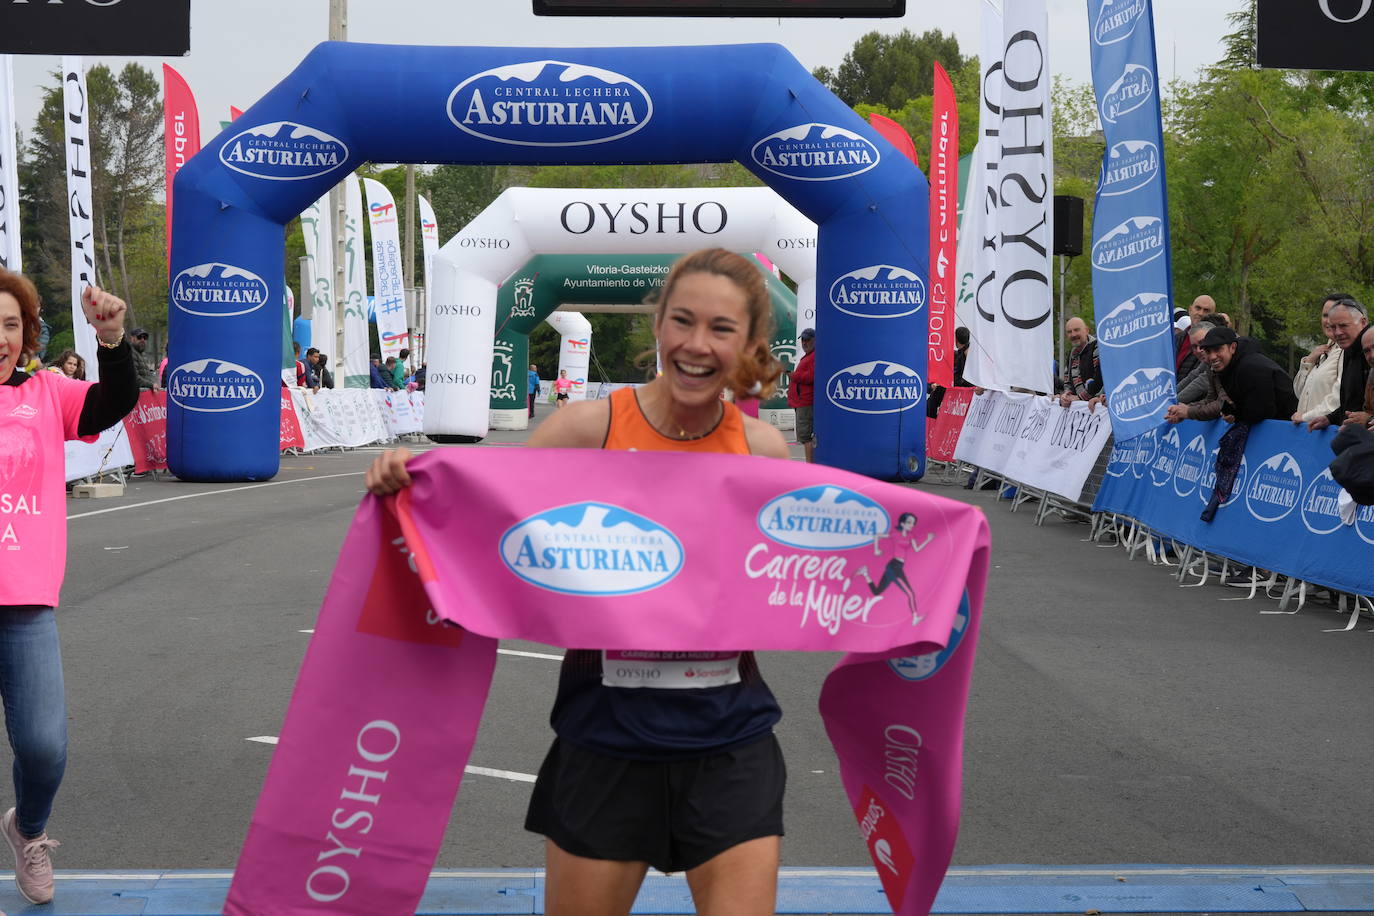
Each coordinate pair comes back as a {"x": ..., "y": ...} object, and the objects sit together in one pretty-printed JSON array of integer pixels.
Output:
[{"x": 349, "y": 103}]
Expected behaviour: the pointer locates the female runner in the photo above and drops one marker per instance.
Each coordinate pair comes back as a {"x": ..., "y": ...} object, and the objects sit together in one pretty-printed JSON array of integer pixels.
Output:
[
  {"x": 684, "y": 777},
  {"x": 903, "y": 543}
]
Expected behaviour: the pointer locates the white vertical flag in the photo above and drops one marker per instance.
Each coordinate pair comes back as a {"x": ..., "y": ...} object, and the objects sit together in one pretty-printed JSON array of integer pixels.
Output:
[
  {"x": 982, "y": 367},
  {"x": 388, "y": 282},
  {"x": 356, "y": 343},
  {"x": 76, "y": 119},
  {"x": 429, "y": 234},
  {"x": 9, "y": 171},
  {"x": 317, "y": 227},
  {"x": 1025, "y": 181}
]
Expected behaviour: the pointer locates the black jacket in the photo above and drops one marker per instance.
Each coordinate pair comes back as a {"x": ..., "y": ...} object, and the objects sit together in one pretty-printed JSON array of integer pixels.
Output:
[
  {"x": 1257, "y": 388},
  {"x": 1354, "y": 374}
]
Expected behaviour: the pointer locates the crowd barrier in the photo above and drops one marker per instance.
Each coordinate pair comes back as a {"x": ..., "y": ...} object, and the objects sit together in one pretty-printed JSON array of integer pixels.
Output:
[
  {"x": 1285, "y": 514},
  {"x": 310, "y": 421}
]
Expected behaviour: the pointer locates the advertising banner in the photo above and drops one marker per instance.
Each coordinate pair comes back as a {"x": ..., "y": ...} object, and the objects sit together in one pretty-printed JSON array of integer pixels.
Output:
[
  {"x": 357, "y": 337},
  {"x": 291, "y": 435},
  {"x": 978, "y": 307},
  {"x": 10, "y": 258},
  {"x": 109, "y": 452},
  {"x": 429, "y": 240},
  {"x": 146, "y": 426},
  {"x": 181, "y": 132},
  {"x": 1315, "y": 35},
  {"x": 76, "y": 122},
  {"x": 1284, "y": 512},
  {"x": 1032, "y": 440},
  {"x": 942, "y": 435},
  {"x": 317, "y": 226},
  {"x": 388, "y": 282},
  {"x": 385, "y": 711},
  {"x": 1024, "y": 325},
  {"x": 97, "y": 27},
  {"x": 944, "y": 226},
  {"x": 1132, "y": 279}
]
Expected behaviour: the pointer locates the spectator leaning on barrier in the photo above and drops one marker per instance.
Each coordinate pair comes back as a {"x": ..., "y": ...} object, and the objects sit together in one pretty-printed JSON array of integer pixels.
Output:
[
  {"x": 1254, "y": 387},
  {"x": 1083, "y": 374},
  {"x": 143, "y": 367},
  {"x": 1318, "y": 381},
  {"x": 322, "y": 370},
  {"x": 376, "y": 374},
  {"x": 311, "y": 364},
  {"x": 801, "y": 393},
  {"x": 961, "y": 339},
  {"x": 1364, "y": 417},
  {"x": 1353, "y": 468},
  {"x": 1198, "y": 384},
  {"x": 398, "y": 370},
  {"x": 1348, "y": 319}
]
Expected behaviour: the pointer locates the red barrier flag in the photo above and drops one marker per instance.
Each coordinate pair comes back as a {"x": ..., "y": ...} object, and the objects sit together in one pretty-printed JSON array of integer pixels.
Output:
[
  {"x": 235, "y": 113},
  {"x": 181, "y": 123},
  {"x": 944, "y": 225},
  {"x": 895, "y": 134}
]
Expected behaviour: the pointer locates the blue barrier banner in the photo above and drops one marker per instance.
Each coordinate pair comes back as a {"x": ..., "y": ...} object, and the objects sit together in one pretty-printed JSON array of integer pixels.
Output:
[
  {"x": 1282, "y": 513},
  {"x": 1132, "y": 286}
]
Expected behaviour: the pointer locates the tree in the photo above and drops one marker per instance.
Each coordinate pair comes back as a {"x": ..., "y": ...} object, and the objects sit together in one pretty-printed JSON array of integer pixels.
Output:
[{"x": 890, "y": 70}]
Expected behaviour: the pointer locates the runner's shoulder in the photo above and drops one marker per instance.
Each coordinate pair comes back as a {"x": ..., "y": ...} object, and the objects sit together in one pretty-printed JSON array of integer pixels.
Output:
[{"x": 764, "y": 439}]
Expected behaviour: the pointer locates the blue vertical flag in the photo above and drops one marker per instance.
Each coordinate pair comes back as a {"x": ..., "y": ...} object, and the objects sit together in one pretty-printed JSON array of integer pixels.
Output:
[{"x": 1132, "y": 278}]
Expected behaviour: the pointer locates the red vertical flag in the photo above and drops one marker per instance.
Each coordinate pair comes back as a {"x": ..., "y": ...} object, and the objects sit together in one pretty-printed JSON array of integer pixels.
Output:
[
  {"x": 895, "y": 134},
  {"x": 944, "y": 225},
  {"x": 235, "y": 113},
  {"x": 181, "y": 124}
]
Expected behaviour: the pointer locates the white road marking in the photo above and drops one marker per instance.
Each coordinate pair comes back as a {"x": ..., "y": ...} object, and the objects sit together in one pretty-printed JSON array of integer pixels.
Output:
[
  {"x": 516, "y": 652},
  {"x": 171, "y": 499},
  {"x": 305, "y": 631},
  {"x": 476, "y": 771}
]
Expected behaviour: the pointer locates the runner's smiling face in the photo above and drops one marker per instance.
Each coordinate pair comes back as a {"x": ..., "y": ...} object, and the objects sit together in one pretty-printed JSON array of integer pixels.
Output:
[
  {"x": 11, "y": 335},
  {"x": 701, "y": 331}
]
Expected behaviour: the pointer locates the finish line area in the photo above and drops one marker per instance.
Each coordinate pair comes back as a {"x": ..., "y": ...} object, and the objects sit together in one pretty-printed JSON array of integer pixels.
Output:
[
  {"x": 1114, "y": 718},
  {"x": 1138, "y": 889}
]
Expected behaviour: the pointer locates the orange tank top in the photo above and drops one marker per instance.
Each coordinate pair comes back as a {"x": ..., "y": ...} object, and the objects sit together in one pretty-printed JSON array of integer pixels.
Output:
[{"x": 630, "y": 430}]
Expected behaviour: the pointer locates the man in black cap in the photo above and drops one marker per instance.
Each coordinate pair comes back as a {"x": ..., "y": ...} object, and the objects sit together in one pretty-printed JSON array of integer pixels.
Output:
[
  {"x": 1256, "y": 388},
  {"x": 143, "y": 366},
  {"x": 801, "y": 393}
]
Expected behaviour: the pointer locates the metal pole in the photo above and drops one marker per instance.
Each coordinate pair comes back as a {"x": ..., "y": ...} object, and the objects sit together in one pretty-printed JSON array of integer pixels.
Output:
[
  {"x": 338, "y": 31},
  {"x": 410, "y": 258},
  {"x": 1063, "y": 317}
]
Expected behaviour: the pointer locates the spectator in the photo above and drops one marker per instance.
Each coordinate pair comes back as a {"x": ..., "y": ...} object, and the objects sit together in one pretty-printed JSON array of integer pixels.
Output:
[
  {"x": 1083, "y": 374},
  {"x": 1186, "y": 359},
  {"x": 961, "y": 339},
  {"x": 322, "y": 371},
  {"x": 398, "y": 370},
  {"x": 1198, "y": 383},
  {"x": 301, "y": 377},
  {"x": 138, "y": 339},
  {"x": 70, "y": 364},
  {"x": 532, "y": 387},
  {"x": 378, "y": 378},
  {"x": 1348, "y": 320},
  {"x": 1353, "y": 468},
  {"x": 1202, "y": 309},
  {"x": 389, "y": 373},
  {"x": 1255, "y": 387},
  {"x": 1364, "y": 417},
  {"x": 801, "y": 393},
  {"x": 310, "y": 364},
  {"x": 1318, "y": 382},
  {"x": 420, "y": 377}
]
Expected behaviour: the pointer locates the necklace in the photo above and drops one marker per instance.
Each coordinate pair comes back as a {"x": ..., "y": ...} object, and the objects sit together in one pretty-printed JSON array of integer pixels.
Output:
[{"x": 684, "y": 436}]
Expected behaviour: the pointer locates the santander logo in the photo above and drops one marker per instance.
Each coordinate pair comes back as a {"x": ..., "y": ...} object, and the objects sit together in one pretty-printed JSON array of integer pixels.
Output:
[{"x": 887, "y": 845}]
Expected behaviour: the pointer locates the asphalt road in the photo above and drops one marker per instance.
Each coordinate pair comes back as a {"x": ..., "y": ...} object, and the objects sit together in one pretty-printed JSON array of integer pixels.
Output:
[{"x": 1115, "y": 717}]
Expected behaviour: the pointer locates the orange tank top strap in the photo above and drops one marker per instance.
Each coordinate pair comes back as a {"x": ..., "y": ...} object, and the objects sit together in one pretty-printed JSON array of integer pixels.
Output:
[{"x": 630, "y": 430}]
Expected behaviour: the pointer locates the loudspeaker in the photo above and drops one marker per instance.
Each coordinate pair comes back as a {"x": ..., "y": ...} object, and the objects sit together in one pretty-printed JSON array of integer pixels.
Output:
[{"x": 1068, "y": 225}]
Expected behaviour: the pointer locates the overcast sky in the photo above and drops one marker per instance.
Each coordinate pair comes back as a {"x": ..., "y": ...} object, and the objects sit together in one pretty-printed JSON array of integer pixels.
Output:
[{"x": 242, "y": 48}]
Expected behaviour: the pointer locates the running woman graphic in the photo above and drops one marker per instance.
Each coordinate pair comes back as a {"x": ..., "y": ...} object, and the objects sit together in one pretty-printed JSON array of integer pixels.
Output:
[{"x": 903, "y": 545}]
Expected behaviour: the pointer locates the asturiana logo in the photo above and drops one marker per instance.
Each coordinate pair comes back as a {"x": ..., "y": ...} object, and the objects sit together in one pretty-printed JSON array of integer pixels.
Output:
[
  {"x": 879, "y": 291},
  {"x": 921, "y": 667},
  {"x": 549, "y": 103},
  {"x": 1209, "y": 479},
  {"x": 1143, "y": 393},
  {"x": 1191, "y": 467},
  {"x": 815, "y": 152},
  {"x": 1142, "y": 317},
  {"x": 823, "y": 518},
  {"x": 218, "y": 290},
  {"x": 1275, "y": 488},
  {"x": 592, "y": 548},
  {"x": 1129, "y": 166},
  {"x": 1146, "y": 449},
  {"x": 1123, "y": 454},
  {"x": 877, "y": 387},
  {"x": 214, "y": 386},
  {"x": 1321, "y": 511},
  {"x": 1116, "y": 21},
  {"x": 1162, "y": 470},
  {"x": 284, "y": 151},
  {"x": 1137, "y": 241},
  {"x": 1134, "y": 88}
]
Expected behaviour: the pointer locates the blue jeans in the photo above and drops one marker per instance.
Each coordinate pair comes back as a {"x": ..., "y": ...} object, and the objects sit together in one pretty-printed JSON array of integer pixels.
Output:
[{"x": 35, "y": 710}]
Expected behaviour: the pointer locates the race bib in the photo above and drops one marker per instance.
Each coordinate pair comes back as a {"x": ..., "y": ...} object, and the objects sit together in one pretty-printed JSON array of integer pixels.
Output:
[{"x": 670, "y": 670}]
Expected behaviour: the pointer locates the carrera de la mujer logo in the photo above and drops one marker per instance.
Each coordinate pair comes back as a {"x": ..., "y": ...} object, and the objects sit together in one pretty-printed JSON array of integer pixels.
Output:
[
  {"x": 592, "y": 548},
  {"x": 823, "y": 518},
  {"x": 549, "y": 103}
]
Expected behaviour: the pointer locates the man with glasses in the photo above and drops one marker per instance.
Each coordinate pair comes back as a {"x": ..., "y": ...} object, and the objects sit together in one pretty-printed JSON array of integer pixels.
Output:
[
  {"x": 1347, "y": 320},
  {"x": 147, "y": 378}
]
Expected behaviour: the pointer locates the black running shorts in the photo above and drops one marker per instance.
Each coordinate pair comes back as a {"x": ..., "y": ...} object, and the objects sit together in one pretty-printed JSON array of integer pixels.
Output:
[{"x": 675, "y": 815}]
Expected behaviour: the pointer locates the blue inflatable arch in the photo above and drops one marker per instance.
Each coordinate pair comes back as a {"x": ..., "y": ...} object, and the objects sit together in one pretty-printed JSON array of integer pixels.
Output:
[{"x": 351, "y": 103}]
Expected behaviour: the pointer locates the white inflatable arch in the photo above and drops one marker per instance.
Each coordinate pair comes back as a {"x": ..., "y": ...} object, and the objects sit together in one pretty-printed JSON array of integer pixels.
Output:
[{"x": 523, "y": 222}]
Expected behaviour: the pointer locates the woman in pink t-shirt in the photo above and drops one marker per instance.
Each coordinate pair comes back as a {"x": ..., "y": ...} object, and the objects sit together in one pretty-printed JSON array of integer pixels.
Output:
[
  {"x": 562, "y": 386},
  {"x": 38, "y": 413}
]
